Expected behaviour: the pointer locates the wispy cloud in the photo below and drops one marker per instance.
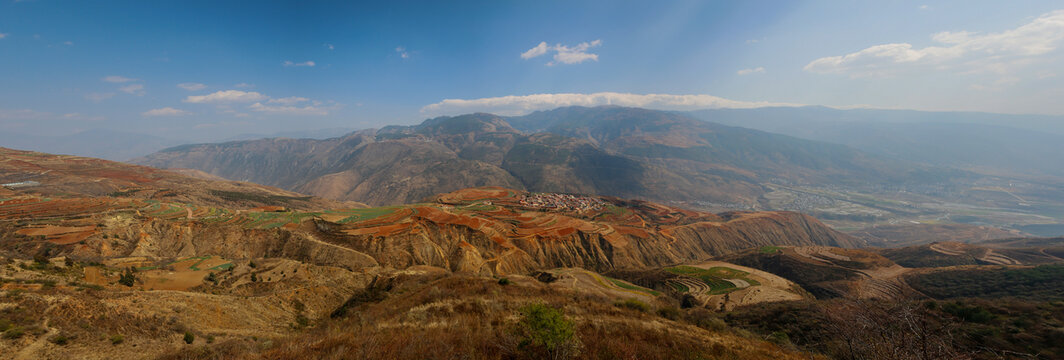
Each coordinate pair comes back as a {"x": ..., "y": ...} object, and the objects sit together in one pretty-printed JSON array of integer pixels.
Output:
[
  {"x": 536, "y": 51},
  {"x": 133, "y": 89},
  {"x": 22, "y": 114},
  {"x": 329, "y": 46},
  {"x": 757, "y": 70},
  {"x": 523, "y": 104},
  {"x": 3, "y": 35},
  {"x": 166, "y": 111},
  {"x": 564, "y": 54},
  {"x": 244, "y": 86},
  {"x": 402, "y": 52},
  {"x": 288, "y": 100},
  {"x": 192, "y": 86},
  {"x": 118, "y": 79},
  {"x": 307, "y": 63},
  {"x": 967, "y": 51},
  {"x": 308, "y": 109},
  {"x": 226, "y": 96},
  {"x": 292, "y": 105}
]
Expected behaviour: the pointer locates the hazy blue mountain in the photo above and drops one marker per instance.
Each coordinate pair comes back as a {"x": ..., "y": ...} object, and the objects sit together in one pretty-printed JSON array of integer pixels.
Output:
[
  {"x": 98, "y": 143},
  {"x": 995, "y": 143}
]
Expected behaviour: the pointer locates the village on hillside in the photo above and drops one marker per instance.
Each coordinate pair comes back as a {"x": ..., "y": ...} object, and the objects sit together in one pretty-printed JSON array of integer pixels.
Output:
[{"x": 562, "y": 202}]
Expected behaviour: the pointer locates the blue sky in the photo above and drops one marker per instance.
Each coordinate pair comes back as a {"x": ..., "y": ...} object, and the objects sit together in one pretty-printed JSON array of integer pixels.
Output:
[{"x": 203, "y": 70}]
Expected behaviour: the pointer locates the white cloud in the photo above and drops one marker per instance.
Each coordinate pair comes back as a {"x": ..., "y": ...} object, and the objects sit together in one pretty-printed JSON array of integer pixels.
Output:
[
  {"x": 192, "y": 86},
  {"x": 292, "y": 105},
  {"x": 757, "y": 70},
  {"x": 924, "y": 7},
  {"x": 98, "y": 97},
  {"x": 536, "y": 51},
  {"x": 133, "y": 89},
  {"x": 289, "y": 110},
  {"x": 291, "y": 100},
  {"x": 307, "y": 63},
  {"x": 576, "y": 54},
  {"x": 118, "y": 79},
  {"x": 244, "y": 86},
  {"x": 974, "y": 51},
  {"x": 402, "y": 52},
  {"x": 517, "y": 105},
  {"x": 564, "y": 54},
  {"x": 166, "y": 111},
  {"x": 226, "y": 96},
  {"x": 68, "y": 43}
]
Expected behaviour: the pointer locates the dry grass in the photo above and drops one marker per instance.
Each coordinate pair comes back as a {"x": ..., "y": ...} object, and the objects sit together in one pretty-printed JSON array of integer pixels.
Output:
[{"x": 458, "y": 317}]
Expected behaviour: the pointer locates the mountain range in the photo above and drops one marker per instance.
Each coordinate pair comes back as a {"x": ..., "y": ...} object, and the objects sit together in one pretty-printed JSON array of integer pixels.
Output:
[{"x": 626, "y": 152}]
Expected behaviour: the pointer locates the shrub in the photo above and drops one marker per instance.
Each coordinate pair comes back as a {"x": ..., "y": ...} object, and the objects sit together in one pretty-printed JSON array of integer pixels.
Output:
[
  {"x": 504, "y": 281},
  {"x": 302, "y": 321},
  {"x": 688, "y": 301},
  {"x": 117, "y": 339},
  {"x": 211, "y": 278},
  {"x": 669, "y": 312},
  {"x": 705, "y": 319},
  {"x": 128, "y": 278},
  {"x": 975, "y": 313},
  {"x": 780, "y": 338},
  {"x": 189, "y": 338},
  {"x": 546, "y": 331},
  {"x": 14, "y": 333},
  {"x": 634, "y": 305},
  {"x": 59, "y": 339}
]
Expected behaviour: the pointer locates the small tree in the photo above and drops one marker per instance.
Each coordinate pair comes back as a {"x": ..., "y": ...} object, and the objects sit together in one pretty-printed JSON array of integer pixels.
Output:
[
  {"x": 189, "y": 338},
  {"x": 546, "y": 333},
  {"x": 128, "y": 278}
]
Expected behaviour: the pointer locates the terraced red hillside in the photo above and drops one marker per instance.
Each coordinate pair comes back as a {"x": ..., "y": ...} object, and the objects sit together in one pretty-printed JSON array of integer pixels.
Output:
[{"x": 47, "y": 175}]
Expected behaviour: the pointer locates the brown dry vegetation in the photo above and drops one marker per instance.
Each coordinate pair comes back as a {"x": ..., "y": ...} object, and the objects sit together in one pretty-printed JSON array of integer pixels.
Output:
[{"x": 462, "y": 317}]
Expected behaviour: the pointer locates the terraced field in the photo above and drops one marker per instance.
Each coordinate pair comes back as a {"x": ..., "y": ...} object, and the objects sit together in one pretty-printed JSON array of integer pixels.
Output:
[{"x": 716, "y": 280}]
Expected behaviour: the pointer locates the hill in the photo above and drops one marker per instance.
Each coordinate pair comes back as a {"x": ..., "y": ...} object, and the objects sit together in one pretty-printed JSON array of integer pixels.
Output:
[
  {"x": 40, "y": 175},
  {"x": 626, "y": 152},
  {"x": 828, "y": 272},
  {"x": 106, "y": 256}
]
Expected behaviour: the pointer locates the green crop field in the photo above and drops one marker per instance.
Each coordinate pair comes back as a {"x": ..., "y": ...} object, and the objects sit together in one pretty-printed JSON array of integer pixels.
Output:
[
  {"x": 770, "y": 249},
  {"x": 355, "y": 215},
  {"x": 716, "y": 277},
  {"x": 628, "y": 286}
]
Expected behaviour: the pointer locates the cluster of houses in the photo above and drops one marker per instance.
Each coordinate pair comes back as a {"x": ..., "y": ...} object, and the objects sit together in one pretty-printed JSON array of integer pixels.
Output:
[{"x": 564, "y": 202}]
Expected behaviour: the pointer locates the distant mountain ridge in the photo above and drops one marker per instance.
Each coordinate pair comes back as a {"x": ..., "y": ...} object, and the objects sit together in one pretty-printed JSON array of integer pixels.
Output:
[
  {"x": 617, "y": 151},
  {"x": 989, "y": 143}
]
